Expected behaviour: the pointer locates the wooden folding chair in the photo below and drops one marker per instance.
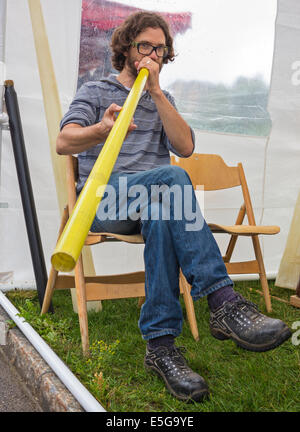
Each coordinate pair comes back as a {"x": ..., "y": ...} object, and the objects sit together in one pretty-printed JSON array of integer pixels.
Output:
[
  {"x": 210, "y": 171},
  {"x": 93, "y": 288},
  {"x": 295, "y": 299}
]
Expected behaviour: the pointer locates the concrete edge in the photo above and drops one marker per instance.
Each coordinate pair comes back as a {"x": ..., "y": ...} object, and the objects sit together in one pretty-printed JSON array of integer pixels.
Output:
[{"x": 39, "y": 378}]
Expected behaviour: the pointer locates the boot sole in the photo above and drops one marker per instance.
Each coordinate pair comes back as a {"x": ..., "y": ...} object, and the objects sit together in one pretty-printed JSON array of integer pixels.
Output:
[
  {"x": 281, "y": 337},
  {"x": 197, "y": 397}
]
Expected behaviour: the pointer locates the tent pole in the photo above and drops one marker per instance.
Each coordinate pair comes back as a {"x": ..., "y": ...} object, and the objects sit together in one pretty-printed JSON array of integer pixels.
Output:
[
  {"x": 28, "y": 204},
  {"x": 53, "y": 116}
]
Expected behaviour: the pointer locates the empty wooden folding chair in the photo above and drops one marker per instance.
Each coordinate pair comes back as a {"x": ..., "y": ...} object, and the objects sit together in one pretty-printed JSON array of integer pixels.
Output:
[{"x": 210, "y": 171}]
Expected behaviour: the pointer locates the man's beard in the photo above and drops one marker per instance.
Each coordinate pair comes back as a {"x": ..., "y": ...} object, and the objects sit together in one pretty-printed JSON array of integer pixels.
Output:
[{"x": 131, "y": 67}]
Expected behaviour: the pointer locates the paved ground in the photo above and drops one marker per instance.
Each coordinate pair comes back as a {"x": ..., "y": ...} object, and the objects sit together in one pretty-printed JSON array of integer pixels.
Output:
[
  {"x": 26, "y": 380},
  {"x": 14, "y": 395}
]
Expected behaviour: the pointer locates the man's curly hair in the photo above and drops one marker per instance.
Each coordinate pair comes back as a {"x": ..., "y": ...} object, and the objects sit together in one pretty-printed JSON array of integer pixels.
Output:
[{"x": 126, "y": 33}]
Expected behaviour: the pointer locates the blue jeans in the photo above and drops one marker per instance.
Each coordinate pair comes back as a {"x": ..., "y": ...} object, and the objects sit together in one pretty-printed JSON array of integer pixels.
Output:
[{"x": 170, "y": 244}]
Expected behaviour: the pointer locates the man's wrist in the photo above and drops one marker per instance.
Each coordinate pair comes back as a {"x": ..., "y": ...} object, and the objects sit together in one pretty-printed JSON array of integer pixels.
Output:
[
  {"x": 156, "y": 94},
  {"x": 101, "y": 131}
]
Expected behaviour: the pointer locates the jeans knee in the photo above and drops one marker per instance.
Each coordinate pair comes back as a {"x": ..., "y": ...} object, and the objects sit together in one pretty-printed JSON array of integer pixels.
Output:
[{"x": 176, "y": 175}]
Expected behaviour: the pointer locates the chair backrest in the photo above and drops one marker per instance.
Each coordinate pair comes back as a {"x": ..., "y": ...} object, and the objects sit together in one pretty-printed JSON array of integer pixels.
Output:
[
  {"x": 71, "y": 175},
  {"x": 209, "y": 170}
]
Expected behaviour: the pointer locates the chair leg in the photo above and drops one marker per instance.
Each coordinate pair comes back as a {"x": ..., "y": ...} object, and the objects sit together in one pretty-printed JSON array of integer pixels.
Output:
[
  {"x": 141, "y": 301},
  {"x": 81, "y": 304},
  {"x": 233, "y": 238},
  {"x": 262, "y": 273},
  {"x": 49, "y": 290},
  {"x": 53, "y": 273},
  {"x": 189, "y": 305}
]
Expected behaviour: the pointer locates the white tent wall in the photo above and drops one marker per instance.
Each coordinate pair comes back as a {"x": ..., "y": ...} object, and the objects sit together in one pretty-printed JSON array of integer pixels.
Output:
[
  {"x": 274, "y": 185},
  {"x": 63, "y": 26},
  {"x": 2, "y": 67},
  {"x": 282, "y": 182}
]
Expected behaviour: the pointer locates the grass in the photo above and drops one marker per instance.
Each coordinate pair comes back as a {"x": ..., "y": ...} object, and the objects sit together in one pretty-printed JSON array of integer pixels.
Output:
[{"x": 239, "y": 380}]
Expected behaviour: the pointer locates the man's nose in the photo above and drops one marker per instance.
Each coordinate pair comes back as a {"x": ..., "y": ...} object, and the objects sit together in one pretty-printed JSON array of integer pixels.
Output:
[{"x": 153, "y": 55}]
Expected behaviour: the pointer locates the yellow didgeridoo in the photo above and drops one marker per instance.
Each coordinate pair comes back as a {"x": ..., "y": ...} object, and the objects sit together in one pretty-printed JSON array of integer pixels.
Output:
[{"x": 72, "y": 239}]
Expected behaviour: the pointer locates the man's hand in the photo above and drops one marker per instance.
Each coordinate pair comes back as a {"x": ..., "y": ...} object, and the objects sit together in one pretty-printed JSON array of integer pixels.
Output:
[
  {"x": 153, "y": 67},
  {"x": 176, "y": 128},
  {"x": 109, "y": 118},
  {"x": 75, "y": 139}
]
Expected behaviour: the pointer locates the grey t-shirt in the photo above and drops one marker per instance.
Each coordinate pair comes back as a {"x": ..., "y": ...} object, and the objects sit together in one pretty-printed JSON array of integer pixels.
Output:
[{"x": 145, "y": 148}]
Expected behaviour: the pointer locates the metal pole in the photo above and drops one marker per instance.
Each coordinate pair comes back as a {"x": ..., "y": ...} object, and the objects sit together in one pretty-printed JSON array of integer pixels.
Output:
[
  {"x": 84, "y": 397},
  {"x": 23, "y": 174}
]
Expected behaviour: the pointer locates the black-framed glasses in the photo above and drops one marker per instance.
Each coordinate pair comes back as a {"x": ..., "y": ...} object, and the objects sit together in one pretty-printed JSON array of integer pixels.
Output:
[{"x": 146, "y": 48}]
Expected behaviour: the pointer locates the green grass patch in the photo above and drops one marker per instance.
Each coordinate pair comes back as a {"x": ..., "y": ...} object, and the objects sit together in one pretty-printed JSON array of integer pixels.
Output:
[{"x": 239, "y": 380}]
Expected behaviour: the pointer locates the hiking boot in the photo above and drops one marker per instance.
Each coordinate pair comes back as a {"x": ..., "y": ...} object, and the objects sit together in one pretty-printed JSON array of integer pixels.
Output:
[
  {"x": 180, "y": 380},
  {"x": 242, "y": 322}
]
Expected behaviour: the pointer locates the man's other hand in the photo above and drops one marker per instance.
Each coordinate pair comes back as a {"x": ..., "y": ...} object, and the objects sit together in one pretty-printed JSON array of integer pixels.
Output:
[{"x": 109, "y": 118}]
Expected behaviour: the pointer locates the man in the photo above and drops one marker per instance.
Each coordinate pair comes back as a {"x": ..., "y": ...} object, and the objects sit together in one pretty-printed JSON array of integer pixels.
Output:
[{"x": 144, "y": 41}]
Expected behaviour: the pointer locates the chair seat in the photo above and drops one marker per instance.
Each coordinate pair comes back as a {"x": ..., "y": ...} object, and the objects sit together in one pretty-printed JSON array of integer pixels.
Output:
[
  {"x": 246, "y": 230},
  {"x": 94, "y": 238}
]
